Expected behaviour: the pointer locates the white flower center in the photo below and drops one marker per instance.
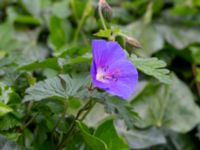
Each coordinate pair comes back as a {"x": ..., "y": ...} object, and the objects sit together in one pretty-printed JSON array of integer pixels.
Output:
[{"x": 100, "y": 76}]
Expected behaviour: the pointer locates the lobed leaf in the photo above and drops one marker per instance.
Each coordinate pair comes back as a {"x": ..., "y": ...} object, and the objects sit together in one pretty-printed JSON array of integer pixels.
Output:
[
  {"x": 123, "y": 109},
  {"x": 153, "y": 67},
  {"x": 60, "y": 87}
]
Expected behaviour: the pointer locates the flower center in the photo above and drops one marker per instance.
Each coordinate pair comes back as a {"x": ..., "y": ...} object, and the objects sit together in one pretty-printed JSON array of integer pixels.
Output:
[{"x": 104, "y": 76}]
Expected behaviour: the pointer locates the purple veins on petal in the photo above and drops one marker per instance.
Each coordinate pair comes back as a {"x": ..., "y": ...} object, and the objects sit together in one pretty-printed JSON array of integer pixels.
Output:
[{"x": 111, "y": 70}]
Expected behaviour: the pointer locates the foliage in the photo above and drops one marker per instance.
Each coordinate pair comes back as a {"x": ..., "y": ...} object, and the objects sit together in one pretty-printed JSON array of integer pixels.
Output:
[{"x": 47, "y": 100}]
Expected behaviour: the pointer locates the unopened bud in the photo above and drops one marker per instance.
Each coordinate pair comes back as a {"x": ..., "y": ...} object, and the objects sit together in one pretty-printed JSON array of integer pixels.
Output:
[
  {"x": 133, "y": 42},
  {"x": 105, "y": 9}
]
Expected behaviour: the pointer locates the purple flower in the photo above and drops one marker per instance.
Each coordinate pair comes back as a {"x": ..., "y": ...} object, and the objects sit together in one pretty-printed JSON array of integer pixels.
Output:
[{"x": 111, "y": 70}]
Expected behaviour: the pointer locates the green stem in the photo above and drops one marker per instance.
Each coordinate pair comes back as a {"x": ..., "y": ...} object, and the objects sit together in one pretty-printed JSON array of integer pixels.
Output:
[
  {"x": 81, "y": 22},
  {"x": 29, "y": 122},
  {"x": 73, "y": 6},
  {"x": 87, "y": 107},
  {"x": 87, "y": 112},
  {"x": 61, "y": 118},
  {"x": 163, "y": 107},
  {"x": 101, "y": 16}
]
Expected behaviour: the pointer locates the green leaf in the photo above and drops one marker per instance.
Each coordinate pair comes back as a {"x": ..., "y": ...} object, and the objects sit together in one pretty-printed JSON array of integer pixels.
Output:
[
  {"x": 96, "y": 114},
  {"x": 182, "y": 141},
  {"x": 169, "y": 106},
  {"x": 33, "y": 7},
  {"x": 179, "y": 37},
  {"x": 141, "y": 138},
  {"x": 61, "y": 9},
  {"x": 150, "y": 39},
  {"x": 107, "y": 132},
  {"x": 8, "y": 121},
  {"x": 92, "y": 141},
  {"x": 123, "y": 109},
  {"x": 153, "y": 67},
  {"x": 4, "y": 109},
  {"x": 27, "y": 20},
  {"x": 47, "y": 63},
  {"x": 61, "y": 87},
  {"x": 7, "y": 37},
  {"x": 198, "y": 75},
  {"x": 5, "y": 93},
  {"x": 195, "y": 53},
  {"x": 103, "y": 33},
  {"x": 60, "y": 31},
  {"x": 6, "y": 144}
]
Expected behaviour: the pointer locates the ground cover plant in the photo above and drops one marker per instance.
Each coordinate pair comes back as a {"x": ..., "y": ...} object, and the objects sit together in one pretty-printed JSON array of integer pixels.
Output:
[{"x": 99, "y": 75}]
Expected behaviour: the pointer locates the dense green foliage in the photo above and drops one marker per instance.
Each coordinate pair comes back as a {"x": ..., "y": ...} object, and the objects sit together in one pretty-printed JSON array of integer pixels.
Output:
[{"x": 46, "y": 98}]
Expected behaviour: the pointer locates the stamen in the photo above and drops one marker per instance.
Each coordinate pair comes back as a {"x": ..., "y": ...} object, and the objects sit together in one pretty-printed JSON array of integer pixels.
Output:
[{"x": 105, "y": 77}]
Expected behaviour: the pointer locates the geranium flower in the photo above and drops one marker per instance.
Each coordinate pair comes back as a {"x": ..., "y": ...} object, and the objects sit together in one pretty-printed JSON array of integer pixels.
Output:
[{"x": 111, "y": 70}]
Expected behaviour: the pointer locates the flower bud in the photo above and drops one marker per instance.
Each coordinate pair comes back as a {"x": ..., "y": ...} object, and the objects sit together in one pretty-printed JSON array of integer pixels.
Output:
[
  {"x": 106, "y": 9},
  {"x": 133, "y": 42}
]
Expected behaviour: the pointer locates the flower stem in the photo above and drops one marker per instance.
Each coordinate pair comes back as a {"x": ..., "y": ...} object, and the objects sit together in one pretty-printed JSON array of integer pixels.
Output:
[{"x": 101, "y": 15}]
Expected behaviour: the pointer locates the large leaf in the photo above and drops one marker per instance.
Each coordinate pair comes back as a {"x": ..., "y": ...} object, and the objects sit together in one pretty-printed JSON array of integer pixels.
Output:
[
  {"x": 150, "y": 40},
  {"x": 181, "y": 141},
  {"x": 7, "y": 37},
  {"x": 143, "y": 138},
  {"x": 61, "y": 87},
  {"x": 92, "y": 141},
  {"x": 107, "y": 132},
  {"x": 179, "y": 37},
  {"x": 153, "y": 67},
  {"x": 170, "y": 106}
]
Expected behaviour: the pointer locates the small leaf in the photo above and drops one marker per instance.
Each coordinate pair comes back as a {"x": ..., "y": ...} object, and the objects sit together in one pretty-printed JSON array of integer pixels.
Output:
[
  {"x": 8, "y": 121},
  {"x": 195, "y": 53},
  {"x": 107, "y": 132},
  {"x": 153, "y": 67},
  {"x": 103, "y": 33},
  {"x": 92, "y": 141},
  {"x": 25, "y": 19},
  {"x": 198, "y": 75},
  {"x": 5, "y": 92},
  {"x": 60, "y": 31},
  {"x": 4, "y": 109},
  {"x": 48, "y": 63}
]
